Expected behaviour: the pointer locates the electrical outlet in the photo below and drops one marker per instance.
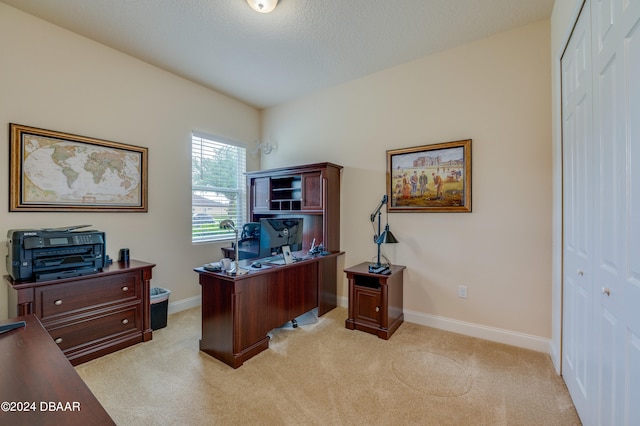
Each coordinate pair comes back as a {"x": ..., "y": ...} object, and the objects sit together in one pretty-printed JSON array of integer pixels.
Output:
[{"x": 462, "y": 291}]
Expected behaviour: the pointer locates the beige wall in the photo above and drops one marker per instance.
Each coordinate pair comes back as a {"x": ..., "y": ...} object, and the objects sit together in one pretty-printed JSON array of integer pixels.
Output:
[
  {"x": 54, "y": 79},
  {"x": 495, "y": 91}
]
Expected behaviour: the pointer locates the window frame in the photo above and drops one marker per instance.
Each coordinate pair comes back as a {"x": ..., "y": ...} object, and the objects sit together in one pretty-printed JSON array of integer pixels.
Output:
[{"x": 239, "y": 218}]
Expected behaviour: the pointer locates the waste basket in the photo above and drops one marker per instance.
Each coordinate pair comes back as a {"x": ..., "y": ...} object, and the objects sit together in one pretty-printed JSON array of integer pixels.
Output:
[{"x": 159, "y": 307}]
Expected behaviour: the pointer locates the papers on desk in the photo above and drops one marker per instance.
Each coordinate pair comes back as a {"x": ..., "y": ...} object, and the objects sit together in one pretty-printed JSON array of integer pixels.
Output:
[{"x": 213, "y": 267}]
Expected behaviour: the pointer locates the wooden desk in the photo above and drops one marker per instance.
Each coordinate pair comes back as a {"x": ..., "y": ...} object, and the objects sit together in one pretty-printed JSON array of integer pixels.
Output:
[
  {"x": 93, "y": 315},
  {"x": 33, "y": 370},
  {"x": 239, "y": 311}
]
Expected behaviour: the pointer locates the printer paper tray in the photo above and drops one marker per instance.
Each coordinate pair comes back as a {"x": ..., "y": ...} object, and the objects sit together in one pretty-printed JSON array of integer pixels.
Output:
[
  {"x": 67, "y": 273},
  {"x": 63, "y": 262}
]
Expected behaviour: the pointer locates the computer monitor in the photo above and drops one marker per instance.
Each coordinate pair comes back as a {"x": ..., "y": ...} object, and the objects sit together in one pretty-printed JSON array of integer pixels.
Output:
[{"x": 278, "y": 232}]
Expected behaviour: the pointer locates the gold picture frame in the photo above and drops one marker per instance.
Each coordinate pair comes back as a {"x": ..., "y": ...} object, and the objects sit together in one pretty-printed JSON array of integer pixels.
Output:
[
  {"x": 56, "y": 171},
  {"x": 430, "y": 178}
]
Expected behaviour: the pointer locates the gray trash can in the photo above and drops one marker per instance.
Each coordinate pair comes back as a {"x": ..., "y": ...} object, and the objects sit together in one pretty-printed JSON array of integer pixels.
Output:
[{"x": 159, "y": 307}]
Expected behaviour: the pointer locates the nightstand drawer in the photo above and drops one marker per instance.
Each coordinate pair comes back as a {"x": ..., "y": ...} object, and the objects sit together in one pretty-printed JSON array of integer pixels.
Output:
[
  {"x": 83, "y": 295},
  {"x": 92, "y": 329}
]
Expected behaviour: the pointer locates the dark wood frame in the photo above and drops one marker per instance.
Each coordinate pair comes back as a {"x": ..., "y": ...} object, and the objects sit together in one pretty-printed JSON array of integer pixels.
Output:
[
  {"x": 18, "y": 181},
  {"x": 454, "y": 173}
]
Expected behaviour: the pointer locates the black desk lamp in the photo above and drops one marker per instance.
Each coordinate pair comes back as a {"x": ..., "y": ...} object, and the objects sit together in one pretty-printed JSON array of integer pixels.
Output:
[{"x": 385, "y": 237}]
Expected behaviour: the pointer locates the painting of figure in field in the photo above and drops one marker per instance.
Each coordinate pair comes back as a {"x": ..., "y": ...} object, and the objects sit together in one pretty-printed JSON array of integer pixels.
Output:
[{"x": 428, "y": 178}]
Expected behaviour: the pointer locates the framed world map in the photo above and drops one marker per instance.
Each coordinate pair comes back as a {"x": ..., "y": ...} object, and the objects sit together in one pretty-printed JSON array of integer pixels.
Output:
[{"x": 54, "y": 171}]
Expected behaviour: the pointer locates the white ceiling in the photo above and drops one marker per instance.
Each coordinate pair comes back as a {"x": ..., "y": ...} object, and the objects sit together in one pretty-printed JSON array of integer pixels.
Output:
[{"x": 301, "y": 47}]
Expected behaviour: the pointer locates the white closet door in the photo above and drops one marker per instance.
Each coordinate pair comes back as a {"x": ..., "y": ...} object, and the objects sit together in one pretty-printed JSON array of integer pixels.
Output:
[
  {"x": 601, "y": 213},
  {"x": 577, "y": 359},
  {"x": 616, "y": 52},
  {"x": 631, "y": 218}
]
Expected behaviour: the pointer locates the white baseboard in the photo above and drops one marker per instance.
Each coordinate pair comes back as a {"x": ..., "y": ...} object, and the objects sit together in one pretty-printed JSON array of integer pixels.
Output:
[
  {"x": 184, "y": 304},
  {"x": 493, "y": 334},
  {"x": 555, "y": 357}
]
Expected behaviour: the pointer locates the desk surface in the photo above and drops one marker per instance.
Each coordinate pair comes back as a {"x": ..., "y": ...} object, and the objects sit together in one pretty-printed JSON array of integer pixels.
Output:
[
  {"x": 35, "y": 375},
  {"x": 268, "y": 265}
]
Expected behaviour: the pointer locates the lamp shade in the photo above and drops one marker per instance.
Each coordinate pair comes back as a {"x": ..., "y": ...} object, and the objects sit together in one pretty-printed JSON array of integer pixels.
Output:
[{"x": 386, "y": 237}]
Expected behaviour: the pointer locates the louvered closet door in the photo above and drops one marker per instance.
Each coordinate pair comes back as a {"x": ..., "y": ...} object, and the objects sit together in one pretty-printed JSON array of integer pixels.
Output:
[
  {"x": 616, "y": 61},
  {"x": 577, "y": 359}
]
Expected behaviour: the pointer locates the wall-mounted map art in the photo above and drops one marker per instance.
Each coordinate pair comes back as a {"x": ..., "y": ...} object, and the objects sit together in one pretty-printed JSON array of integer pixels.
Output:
[{"x": 54, "y": 171}]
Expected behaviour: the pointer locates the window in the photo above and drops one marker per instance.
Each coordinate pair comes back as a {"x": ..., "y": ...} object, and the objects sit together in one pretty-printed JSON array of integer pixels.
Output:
[{"x": 218, "y": 189}]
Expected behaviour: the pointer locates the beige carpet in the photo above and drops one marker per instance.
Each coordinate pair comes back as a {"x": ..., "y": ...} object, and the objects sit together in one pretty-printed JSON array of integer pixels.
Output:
[{"x": 325, "y": 374}]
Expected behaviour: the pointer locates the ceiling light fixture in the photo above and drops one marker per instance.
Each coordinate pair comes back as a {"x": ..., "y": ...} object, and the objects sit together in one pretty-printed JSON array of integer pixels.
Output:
[{"x": 263, "y": 6}]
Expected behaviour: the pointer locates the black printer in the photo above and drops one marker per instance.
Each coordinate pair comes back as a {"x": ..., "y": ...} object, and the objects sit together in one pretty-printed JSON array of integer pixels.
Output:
[{"x": 54, "y": 253}]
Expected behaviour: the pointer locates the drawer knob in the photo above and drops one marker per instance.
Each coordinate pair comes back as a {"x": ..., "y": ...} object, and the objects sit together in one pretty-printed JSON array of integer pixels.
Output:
[
  {"x": 125, "y": 321},
  {"x": 377, "y": 308},
  {"x": 125, "y": 288},
  {"x": 58, "y": 302},
  {"x": 58, "y": 340}
]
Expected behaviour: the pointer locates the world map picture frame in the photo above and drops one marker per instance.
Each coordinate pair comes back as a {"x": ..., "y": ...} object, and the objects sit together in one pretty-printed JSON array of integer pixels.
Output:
[{"x": 56, "y": 171}]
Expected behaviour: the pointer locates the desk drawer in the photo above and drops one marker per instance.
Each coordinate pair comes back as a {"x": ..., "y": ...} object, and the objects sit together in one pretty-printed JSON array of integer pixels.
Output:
[
  {"x": 62, "y": 299},
  {"x": 91, "y": 329}
]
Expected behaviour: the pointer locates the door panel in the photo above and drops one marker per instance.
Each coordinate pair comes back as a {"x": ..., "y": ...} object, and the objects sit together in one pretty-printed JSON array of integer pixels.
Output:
[
  {"x": 601, "y": 161},
  {"x": 577, "y": 216},
  {"x": 616, "y": 94},
  {"x": 631, "y": 238}
]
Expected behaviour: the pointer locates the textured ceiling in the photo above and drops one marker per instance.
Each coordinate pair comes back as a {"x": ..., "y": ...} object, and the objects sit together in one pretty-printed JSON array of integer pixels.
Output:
[{"x": 301, "y": 47}]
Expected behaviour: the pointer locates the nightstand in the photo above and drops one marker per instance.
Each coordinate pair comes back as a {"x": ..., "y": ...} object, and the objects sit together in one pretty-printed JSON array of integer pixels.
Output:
[{"x": 375, "y": 300}]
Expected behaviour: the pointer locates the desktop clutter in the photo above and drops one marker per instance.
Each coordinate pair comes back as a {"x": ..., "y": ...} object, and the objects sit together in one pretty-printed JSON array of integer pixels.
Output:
[
  {"x": 283, "y": 256},
  {"x": 226, "y": 265},
  {"x": 272, "y": 241}
]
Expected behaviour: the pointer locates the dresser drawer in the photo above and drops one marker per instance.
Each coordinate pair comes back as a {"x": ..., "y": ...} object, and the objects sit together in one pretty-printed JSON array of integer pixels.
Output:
[
  {"x": 74, "y": 297},
  {"x": 92, "y": 329}
]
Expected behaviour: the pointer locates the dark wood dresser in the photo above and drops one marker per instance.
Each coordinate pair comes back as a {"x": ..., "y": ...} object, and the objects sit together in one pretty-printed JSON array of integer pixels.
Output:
[{"x": 93, "y": 315}]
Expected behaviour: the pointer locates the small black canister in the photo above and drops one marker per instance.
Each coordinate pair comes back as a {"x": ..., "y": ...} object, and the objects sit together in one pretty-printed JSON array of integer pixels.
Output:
[{"x": 124, "y": 255}]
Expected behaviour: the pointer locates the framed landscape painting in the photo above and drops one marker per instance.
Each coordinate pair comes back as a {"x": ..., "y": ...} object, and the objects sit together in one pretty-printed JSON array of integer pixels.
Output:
[
  {"x": 54, "y": 171},
  {"x": 430, "y": 178}
]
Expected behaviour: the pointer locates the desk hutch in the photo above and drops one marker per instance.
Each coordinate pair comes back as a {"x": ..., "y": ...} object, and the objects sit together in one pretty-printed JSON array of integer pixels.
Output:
[{"x": 311, "y": 191}]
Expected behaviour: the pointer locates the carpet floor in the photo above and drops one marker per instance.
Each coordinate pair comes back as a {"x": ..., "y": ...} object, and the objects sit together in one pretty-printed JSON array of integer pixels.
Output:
[{"x": 324, "y": 374}]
